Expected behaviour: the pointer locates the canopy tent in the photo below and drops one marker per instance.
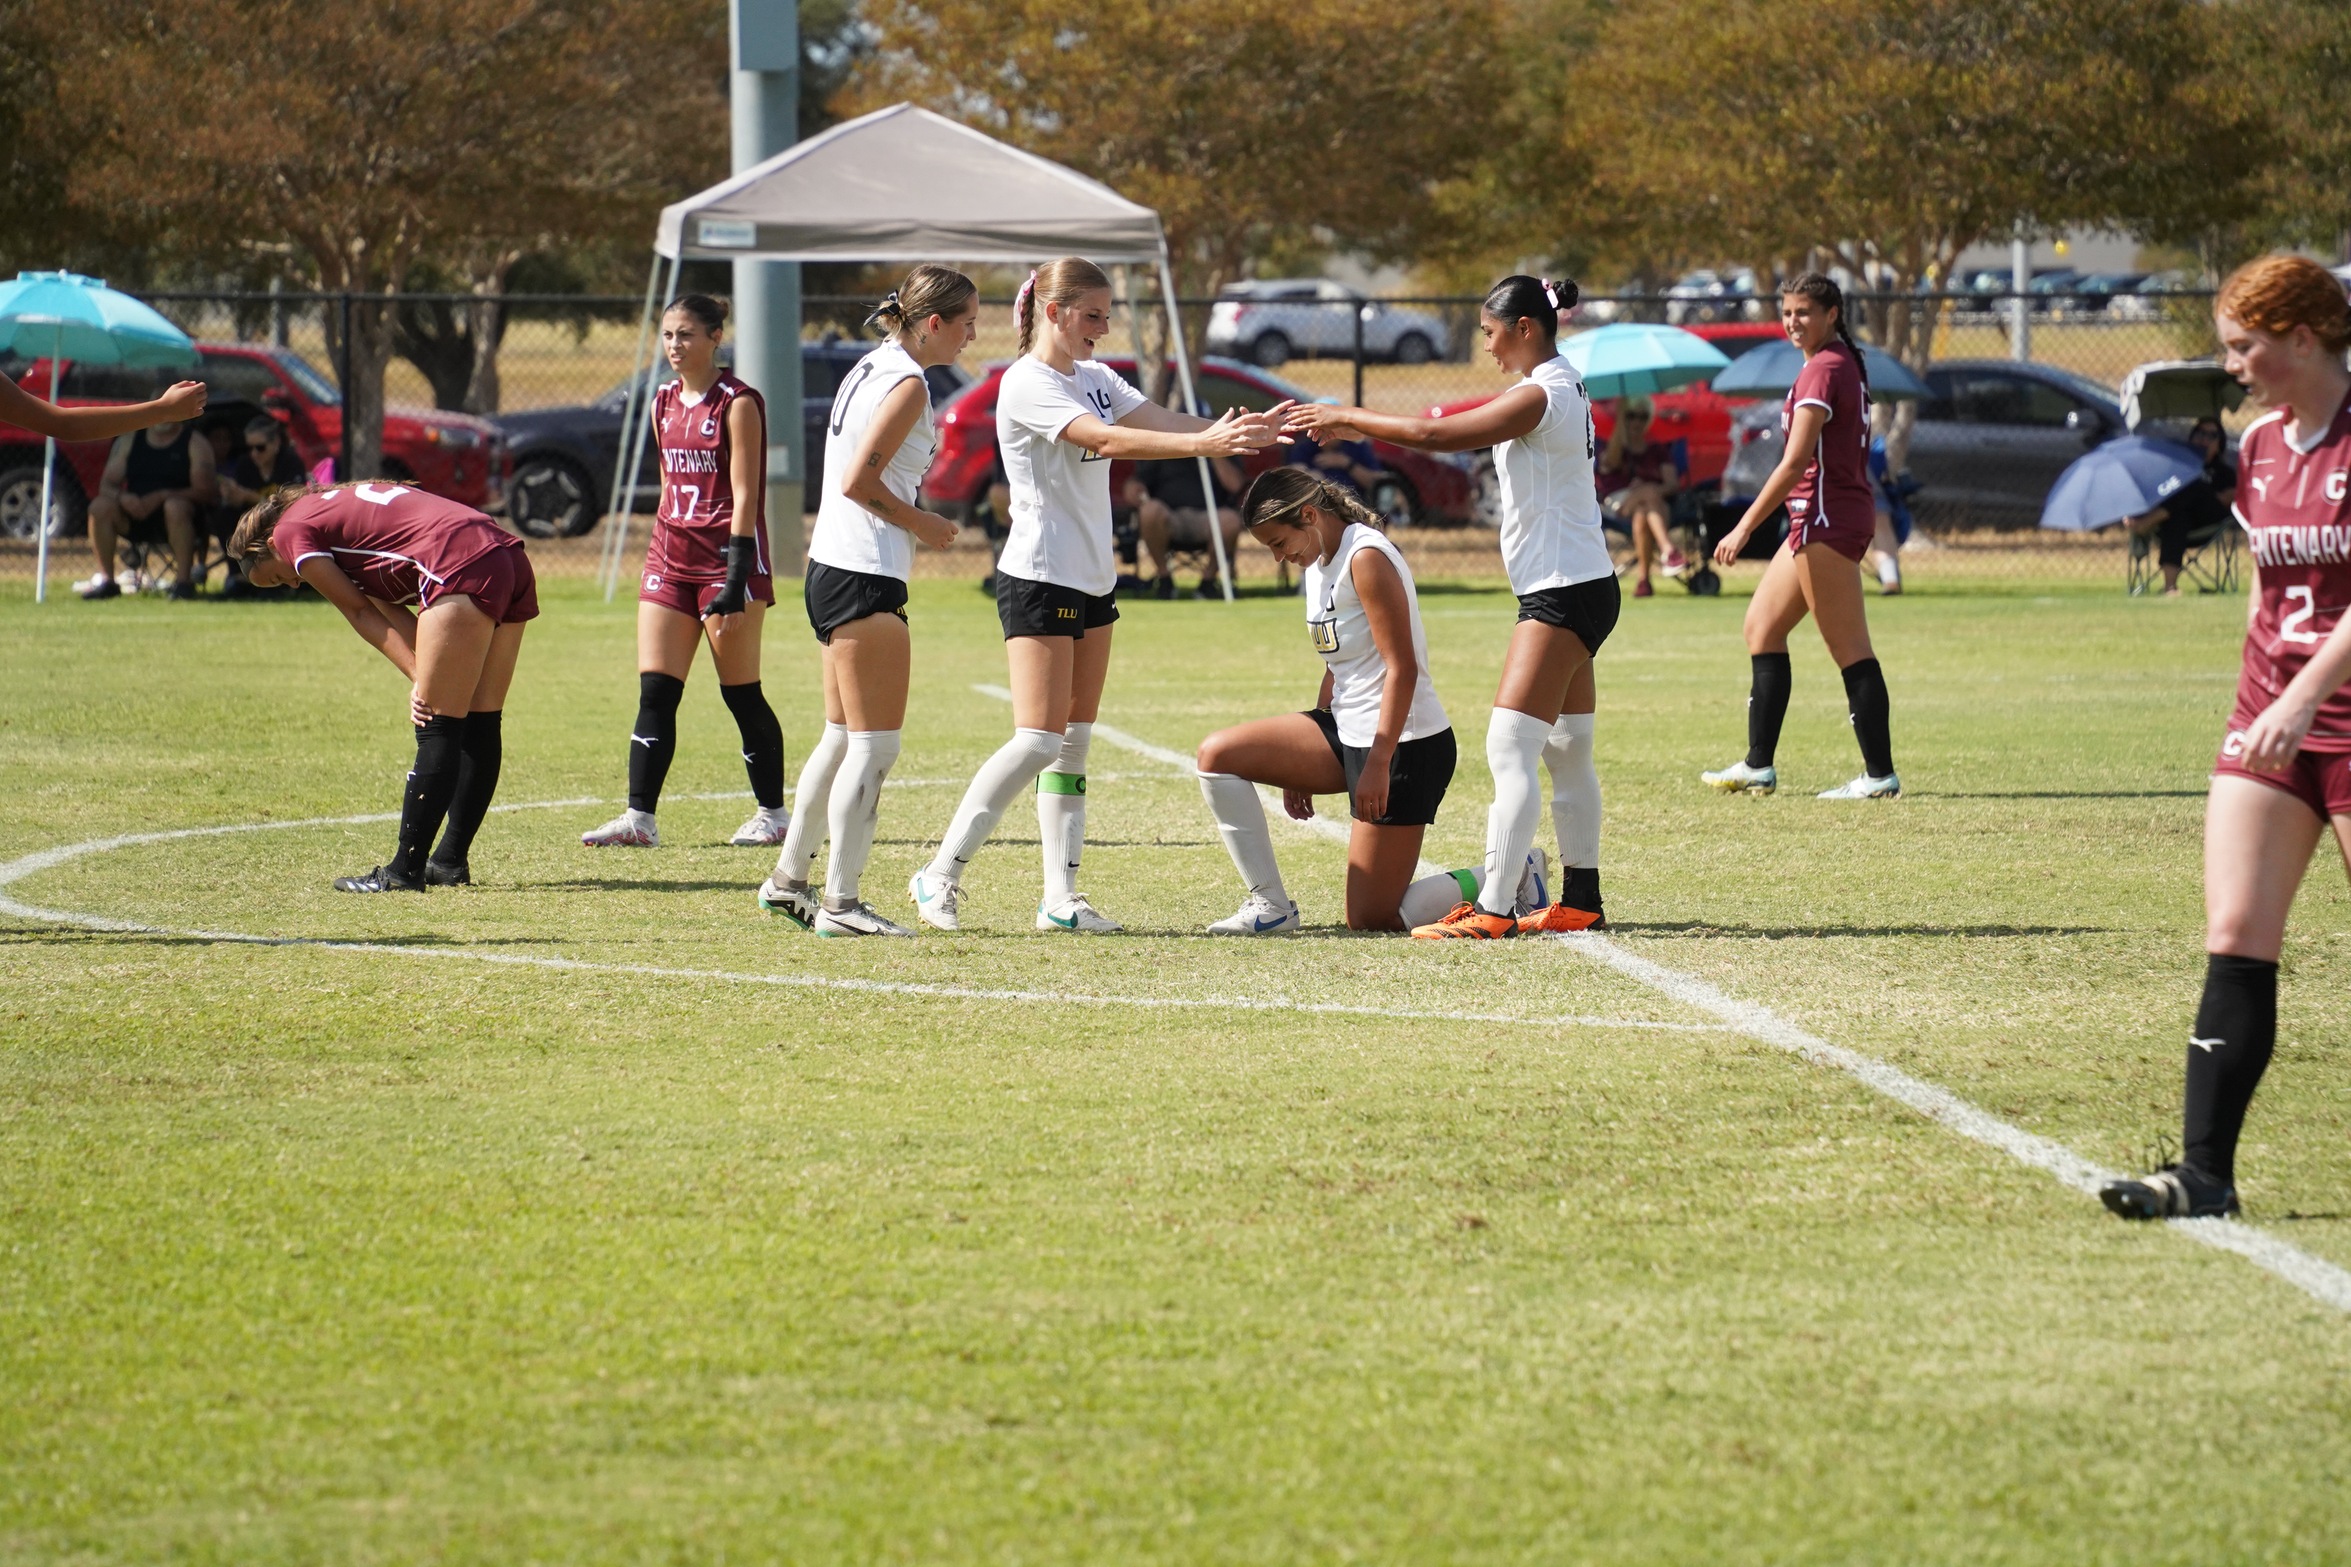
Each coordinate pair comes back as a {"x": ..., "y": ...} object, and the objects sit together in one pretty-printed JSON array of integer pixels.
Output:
[{"x": 900, "y": 184}]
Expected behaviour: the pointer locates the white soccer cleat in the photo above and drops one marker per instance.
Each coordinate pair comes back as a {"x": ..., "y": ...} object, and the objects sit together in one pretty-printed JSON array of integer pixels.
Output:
[
  {"x": 1866, "y": 788},
  {"x": 1077, "y": 915},
  {"x": 797, "y": 904},
  {"x": 1534, "y": 884},
  {"x": 628, "y": 830},
  {"x": 1257, "y": 917},
  {"x": 765, "y": 829},
  {"x": 935, "y": 900},
  {"x": 856, "y": 920},
  {"x": 1739, "y": 778}
]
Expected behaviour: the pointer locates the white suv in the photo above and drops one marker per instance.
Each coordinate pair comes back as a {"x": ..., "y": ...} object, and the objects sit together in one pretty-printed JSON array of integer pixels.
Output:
[{"x": 1269, "y": 321}]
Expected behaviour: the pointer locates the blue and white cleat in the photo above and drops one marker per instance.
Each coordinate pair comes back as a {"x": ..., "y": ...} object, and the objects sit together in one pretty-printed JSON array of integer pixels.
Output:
[
  {"x": 1258, "y": 917},
  {"x": 1739, "y": 778},
  {"x": 1534, "y": 884},
  {"x": 1866, "y": 788},
  {"x": 1077, "y": 915},
  {"x": 935, "y": 899}
]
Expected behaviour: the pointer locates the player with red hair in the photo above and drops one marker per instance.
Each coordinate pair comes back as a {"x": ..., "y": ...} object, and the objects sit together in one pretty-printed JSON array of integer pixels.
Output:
[{"x": 2284, "y": 772}]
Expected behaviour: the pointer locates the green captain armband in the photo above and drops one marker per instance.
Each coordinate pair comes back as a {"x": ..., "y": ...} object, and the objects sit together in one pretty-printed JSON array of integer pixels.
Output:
[
  {"x": 1467, "y": 881},
  {"x": 1061, "y": 783}
]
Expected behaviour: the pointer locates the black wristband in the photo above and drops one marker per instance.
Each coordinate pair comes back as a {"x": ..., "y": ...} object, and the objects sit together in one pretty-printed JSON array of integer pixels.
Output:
[{"x": 742, "y": 559}]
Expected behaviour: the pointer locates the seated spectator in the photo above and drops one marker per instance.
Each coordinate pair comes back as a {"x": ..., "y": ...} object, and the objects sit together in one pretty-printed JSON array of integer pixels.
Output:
[
  {"x": 2199, "y": 506},
  {"x": 1171, "y": 513},
  {"x": 266, "y": 465},
  {"x": 1638, "y": 478},
  {"x": 154, "y": 488},
  {"x": 1352, "y": 463}
]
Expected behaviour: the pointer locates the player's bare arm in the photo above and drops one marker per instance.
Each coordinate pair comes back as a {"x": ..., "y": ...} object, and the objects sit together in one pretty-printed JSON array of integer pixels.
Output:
[
  {"x": 374, "y": 628},
  {"x": 900, "y": 409},
  {"x": 1803, "y": 432},
  {"x": 185, "y": 400}
]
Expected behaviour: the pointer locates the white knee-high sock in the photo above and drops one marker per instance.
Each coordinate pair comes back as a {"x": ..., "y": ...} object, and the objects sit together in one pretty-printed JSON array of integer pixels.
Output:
[
  {"x": 1575, "y": 789},
  {"x": 1061, "y": 814},
  {"x": 855, "y": 809},
  {"x": 1000, "y": 779},
  {"x": 1431, "y": 898},
  {"x": 808, "y": 804},
  {"x": 1514, "y": 750},
  {"x": 1240, "y": 821}
]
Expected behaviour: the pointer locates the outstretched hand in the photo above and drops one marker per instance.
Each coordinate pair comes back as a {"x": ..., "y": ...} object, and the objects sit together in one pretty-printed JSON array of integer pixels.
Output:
[
  {"x": 1237, "y": 431},
  {"x": 184, "y": 401},
  {"x": 1320, "y": 422}
]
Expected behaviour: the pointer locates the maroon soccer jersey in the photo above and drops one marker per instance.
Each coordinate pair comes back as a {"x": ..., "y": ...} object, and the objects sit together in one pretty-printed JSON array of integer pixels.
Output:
[
  {"x": 2297, "y": 520},
  {"x": 698, "y": 482},
  {"x": 397, "y": 543},
  {"x": 1834, "y": 494}
]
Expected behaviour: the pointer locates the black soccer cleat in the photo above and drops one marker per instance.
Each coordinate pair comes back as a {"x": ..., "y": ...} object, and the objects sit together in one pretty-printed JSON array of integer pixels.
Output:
[
  {"x": 382, "y": 879},
  {"x": 2177, "y": 1191},
  {"x": 437, "y": 874}
]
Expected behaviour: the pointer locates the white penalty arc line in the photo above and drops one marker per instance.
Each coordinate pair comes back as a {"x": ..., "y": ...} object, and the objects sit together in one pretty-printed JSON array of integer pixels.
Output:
[
  {"x": 16, "y": 870},
  {"x": 2321, "y": 1280}
]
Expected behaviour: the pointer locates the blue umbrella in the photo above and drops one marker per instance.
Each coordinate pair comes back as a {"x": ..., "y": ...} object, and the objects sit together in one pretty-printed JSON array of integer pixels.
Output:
[
  {"x": 68, "y": 316},
  {"x": 1768, "y": 371},
  {"x": 2120, "y": 479},
  {"x": 1636, "y": 358}
]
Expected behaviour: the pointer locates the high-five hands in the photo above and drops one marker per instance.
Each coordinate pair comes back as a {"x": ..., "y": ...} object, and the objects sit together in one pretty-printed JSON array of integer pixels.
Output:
[
  {"x": 1319, "y": 422},
  {"x": 1237, "y": 431}
]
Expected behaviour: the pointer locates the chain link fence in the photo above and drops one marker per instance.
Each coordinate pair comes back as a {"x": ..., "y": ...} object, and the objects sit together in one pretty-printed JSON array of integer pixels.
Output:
[{"x": 515, "y": 402}]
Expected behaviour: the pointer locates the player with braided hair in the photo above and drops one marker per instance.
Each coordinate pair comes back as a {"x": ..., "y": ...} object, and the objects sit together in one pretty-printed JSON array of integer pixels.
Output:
[
  {"x": 1568, "y": 599},
  {"x": 1823, "y": 479}
]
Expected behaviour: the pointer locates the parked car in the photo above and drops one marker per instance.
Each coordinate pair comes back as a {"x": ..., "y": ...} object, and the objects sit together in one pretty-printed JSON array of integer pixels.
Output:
[
  {"x": 564, "y": 457},
  {"x": 1989, "y": 442},
  {"x": 1695, "y": 415},
  {"x": 451, "y": 454},
  {"x": 1712, "y": 296},
  {"x": 2099, "y": 290},
  {"x": 1269, "y": 322},
  {"x": 1419, "y": 490}
]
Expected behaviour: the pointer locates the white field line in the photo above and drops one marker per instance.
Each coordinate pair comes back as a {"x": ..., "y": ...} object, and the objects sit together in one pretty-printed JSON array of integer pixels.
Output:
[
  {"x": 16, "y": 870},
  {"x": 2321, "y": 1280}
]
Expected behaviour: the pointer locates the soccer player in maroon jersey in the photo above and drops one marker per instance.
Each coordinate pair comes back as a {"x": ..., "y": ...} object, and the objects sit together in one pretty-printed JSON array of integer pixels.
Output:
[
  {"x": 2284, "y": 772},
  {"x": 707, "y": 577},
  {"x": 1823, "y": 479},
  {"x": 371, "y": 549}
]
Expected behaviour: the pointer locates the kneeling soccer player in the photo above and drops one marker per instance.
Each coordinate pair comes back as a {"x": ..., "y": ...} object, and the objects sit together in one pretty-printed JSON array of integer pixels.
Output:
[
  {"x": 2284, "y": 771},
  {"x": 1377, "y": 732},
  {"x": 372, "y": 549}
]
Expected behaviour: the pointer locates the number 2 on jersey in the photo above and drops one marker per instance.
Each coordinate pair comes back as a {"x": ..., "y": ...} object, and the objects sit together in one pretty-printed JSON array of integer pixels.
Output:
[
  {"x": 379, "y": 494},
  {"x": 2295, "y": 626}
]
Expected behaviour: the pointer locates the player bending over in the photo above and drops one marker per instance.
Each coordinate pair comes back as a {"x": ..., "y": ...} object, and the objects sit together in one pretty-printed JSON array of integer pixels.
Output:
[
  {"x": 706, "y": 578},
  {"x": 1823, "y": 478},
  {"x": 1060, "y": 420},
  {"x": 1568, "y": 599},
  {"x": 2284, "y": 772},
  {"x": 1377, "y": 732},
  {"x": 862, "y": 552},
  {"x": 371, "y": 549}
]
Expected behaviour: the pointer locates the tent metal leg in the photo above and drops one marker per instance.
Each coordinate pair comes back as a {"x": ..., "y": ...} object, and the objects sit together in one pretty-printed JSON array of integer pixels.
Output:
[
  {"x": 48, "y": 483},
  {"x": 632, "y": 441},
  {"x": 1183, "y": 359}
]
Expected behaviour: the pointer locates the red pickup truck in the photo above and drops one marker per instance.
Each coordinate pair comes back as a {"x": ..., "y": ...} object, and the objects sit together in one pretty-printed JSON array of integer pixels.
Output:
[{"x": 451, "y": 454}]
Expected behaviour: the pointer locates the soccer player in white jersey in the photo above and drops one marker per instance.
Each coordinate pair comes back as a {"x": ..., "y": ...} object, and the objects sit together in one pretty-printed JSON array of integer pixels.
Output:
[
  {"x": 859, "y": 557},
  {"x": 2284, "y": 772},
  {"x": 1376, "y": 733},
  {"x": 1061, "y": 419},
  {"x": 1568, "y": 598}
]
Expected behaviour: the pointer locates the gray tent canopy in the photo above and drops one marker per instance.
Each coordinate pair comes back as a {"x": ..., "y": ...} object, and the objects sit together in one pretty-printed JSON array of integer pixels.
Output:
[{"x": 900, "y": 184}]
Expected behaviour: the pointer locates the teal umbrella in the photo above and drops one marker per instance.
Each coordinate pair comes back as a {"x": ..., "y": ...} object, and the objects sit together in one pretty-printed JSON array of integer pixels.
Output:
[
  {"x": 1770, "y": 371},
  {"x": 1637, "y": 358},
  {"x": 67, "y": 316}
]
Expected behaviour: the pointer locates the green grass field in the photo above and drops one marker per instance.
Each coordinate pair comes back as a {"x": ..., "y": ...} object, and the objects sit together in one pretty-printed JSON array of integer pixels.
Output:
[{"x": 312, "y": 1254}]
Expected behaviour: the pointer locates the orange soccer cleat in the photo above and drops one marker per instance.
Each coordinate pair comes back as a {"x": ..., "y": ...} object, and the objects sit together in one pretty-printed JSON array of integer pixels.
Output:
[
  {"x": 1559, "y": 918},
  {"x": 1467, "y": 922}
]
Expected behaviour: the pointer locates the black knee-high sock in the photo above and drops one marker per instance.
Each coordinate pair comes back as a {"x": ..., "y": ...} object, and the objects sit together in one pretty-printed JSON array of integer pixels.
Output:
[
  {"x": 426, "y": 799},
  {"x": 2236, "y": 1030},
  {"x": 1866, "y": 700},
  {"x": 763, "y": 741},
  {"x": 483, "y": 751},
  {"x": 654, "y": 740},
  {"x": 1767, "y": 706}
]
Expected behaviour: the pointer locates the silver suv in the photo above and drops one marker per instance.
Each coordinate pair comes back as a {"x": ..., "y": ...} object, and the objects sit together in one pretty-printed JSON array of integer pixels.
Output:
[{"x": 1269, "y": 321}]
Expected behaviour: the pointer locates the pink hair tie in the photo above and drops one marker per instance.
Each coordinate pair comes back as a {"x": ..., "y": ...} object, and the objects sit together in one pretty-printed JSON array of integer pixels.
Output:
[
  {"x": 1550, "y": 291},
  {"x": 1022, "y": 298}
]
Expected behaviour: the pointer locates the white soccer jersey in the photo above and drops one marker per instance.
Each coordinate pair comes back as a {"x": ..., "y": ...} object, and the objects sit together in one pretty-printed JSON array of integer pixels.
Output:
[
  {"x": 1342, "y": 635},
  {"x": 1060, "y": 493},
  {"x": 1550, "y": 512},
  {"x": 847, "y": 536}
]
